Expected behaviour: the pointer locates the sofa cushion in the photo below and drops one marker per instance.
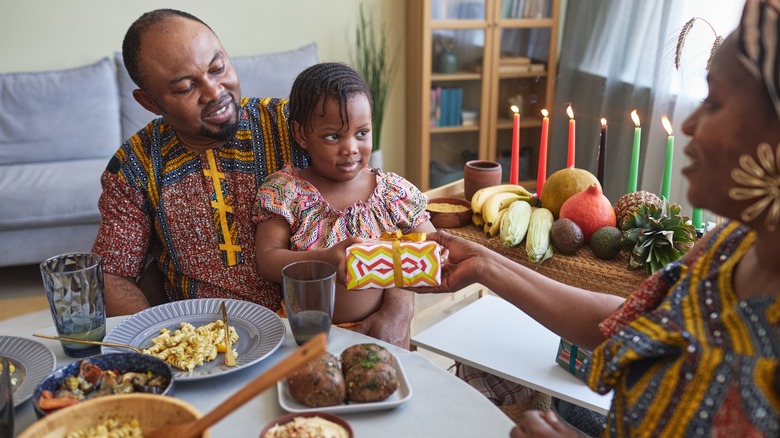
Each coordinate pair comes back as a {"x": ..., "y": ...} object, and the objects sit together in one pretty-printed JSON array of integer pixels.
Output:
[
  {"x": 269, "y": 75},
  {"x": 59, "y": 115},
  {"x": 46, "y": 194}
]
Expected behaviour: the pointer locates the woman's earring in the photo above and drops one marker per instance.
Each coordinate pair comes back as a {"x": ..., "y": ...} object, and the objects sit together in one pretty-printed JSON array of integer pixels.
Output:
[{"x": 763, "y": 181}]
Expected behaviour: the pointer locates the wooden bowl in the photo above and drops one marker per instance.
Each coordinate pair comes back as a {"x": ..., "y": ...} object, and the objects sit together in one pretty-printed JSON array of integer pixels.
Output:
[
  {"x": 151, "y": 411},
  {"x": 284, "y": 419},
  {"x": 449, "y": 219}
]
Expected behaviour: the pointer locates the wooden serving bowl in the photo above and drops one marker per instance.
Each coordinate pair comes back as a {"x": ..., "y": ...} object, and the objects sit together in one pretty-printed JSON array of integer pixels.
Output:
[
  {"x": 151, "y": 411},
  {"x": 449, "y": 219},
  {"x": 284, "y": 419}
]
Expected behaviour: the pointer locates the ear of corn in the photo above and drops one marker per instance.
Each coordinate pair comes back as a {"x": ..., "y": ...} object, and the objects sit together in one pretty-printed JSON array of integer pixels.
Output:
[
  {"x": 537, "y": 242},
  {"x": 514, "y": 224}
]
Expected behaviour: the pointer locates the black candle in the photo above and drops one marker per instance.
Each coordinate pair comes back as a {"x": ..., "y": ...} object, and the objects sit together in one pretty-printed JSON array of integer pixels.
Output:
[{"x": 602, "y": 152}]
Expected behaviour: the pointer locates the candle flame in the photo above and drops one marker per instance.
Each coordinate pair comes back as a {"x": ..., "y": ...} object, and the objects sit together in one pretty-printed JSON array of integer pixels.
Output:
[
  {"x": 515, "y": 109},
  {"x": 635, "y": 118},
  {"x": 545, "y": 113},
  {"x": 603, "y": 122},
  {"x": 570, "y": 112},
  {"x": 667, "y": 124}
]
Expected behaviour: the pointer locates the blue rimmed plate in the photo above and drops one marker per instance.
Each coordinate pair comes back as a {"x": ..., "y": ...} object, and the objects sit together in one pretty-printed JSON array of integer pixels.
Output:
[
  {"x": 260, "y": 331},
  {"x": 33, "y": 362}
]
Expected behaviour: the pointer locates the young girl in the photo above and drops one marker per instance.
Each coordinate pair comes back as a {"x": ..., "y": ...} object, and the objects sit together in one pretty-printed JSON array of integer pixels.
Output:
[{"x": 317, "y": 212}]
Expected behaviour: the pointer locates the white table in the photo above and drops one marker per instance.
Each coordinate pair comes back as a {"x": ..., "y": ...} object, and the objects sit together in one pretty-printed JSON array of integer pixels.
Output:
[
  {"x": 494, "y": 336},
  {"x": 441, "y": 404}
]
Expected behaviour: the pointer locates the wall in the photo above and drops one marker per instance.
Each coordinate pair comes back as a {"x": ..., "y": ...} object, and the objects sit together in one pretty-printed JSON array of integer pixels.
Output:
[{"x": 52, "y": 34}]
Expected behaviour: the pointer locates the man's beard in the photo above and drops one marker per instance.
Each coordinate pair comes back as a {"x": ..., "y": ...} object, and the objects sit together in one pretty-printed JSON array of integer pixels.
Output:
[{"x": 226, "y": 131}]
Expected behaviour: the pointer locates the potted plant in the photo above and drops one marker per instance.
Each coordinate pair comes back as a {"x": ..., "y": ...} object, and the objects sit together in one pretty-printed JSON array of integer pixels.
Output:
[{"x": 371, "y": 58}]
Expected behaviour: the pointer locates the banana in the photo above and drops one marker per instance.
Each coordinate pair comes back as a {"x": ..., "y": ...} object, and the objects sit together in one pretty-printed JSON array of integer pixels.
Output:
[
  {"x": 477, "y": 220},
  {"x": 482, "y": 195},
  {"x": 495, "y": 229},
  {"x": 496, "y": 203}
]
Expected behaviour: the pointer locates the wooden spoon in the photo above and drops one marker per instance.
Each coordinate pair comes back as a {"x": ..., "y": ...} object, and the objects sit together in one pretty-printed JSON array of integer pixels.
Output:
[{"x": 307, "y": 352}]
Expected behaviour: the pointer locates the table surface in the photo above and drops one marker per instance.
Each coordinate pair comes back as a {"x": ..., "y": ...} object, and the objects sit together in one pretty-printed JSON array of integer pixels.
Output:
[
  {"x": 494, "y": 336},
  {"x": 467, "y": 412}
]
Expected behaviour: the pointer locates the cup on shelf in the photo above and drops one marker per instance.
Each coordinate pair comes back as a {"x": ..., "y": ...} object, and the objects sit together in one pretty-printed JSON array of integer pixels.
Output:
[
  {"x": 479, "y": 174},
  {"x": 74, "y": 288},
  {"x": 309, "y": 289}
]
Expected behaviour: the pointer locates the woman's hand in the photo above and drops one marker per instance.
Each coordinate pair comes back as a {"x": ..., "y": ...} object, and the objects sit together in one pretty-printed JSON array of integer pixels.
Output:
[
  {"x": 541, "y": 424},
  {"x": 463, "y": 263}
]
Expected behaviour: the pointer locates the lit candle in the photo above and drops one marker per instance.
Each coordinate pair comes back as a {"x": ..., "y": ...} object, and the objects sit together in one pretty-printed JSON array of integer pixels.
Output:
[
  {"x": 602, "y": 151},
  {"x": 541, "y": 173},
  {"x": 633, "y": 171},
  {"x": 696, "y": 218},
  {"x": 513, "y": 167},
  {"x": 570, "y": 157},
  {"x": 666, "y": 183}
]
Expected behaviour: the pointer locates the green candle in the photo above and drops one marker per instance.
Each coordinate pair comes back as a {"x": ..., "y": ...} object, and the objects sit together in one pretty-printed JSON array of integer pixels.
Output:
[
  {"x": 633, "y": 171},
  {"x": 666, "y": 183},
  {"x": 696, "y": 218}
]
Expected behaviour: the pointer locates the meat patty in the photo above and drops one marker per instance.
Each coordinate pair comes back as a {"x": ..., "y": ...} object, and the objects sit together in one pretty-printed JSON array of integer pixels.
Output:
[
  {"x": 319, "y": 383},
  {"x": 371, "y": 381},
  {"x": 364, "y": 353}
]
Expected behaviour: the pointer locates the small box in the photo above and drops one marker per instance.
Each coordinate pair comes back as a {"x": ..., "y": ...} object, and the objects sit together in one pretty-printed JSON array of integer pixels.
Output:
[
  {"x": 570, "y": 357},
  {"x": 375, "y": 263}
]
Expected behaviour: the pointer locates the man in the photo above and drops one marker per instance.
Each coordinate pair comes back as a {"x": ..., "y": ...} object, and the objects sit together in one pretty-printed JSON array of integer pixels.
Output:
[{"x": 181, "y": 191}]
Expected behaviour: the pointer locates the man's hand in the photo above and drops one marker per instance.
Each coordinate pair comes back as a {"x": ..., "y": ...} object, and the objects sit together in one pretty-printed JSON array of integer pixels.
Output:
[
  {"x": 392, "y": 322},
  {"x": 541, "y": 424}
]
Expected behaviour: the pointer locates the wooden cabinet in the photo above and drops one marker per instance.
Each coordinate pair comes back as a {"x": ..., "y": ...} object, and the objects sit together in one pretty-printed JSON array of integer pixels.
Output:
[{"x": 467, "y": 62}]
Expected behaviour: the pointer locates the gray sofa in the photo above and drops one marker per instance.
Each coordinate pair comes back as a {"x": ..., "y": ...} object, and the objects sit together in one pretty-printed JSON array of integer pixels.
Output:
[{"x": 58, "y": 130}]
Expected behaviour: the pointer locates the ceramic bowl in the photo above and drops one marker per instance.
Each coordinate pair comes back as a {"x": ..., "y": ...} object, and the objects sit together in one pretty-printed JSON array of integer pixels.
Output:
[
  {"x": 122, "y": 362},
  {"x": 284, "y": 419},
  {"x": 441, "y": 218},
  {"x": 151, "y": 411}
]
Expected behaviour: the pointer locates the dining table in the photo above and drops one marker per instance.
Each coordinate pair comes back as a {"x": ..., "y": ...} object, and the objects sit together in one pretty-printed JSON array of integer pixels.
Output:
[{"x": 440, "y": 405}]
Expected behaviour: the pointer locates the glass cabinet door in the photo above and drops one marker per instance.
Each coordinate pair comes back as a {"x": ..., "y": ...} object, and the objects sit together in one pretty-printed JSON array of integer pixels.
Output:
[{"x": 457, "y": 88}]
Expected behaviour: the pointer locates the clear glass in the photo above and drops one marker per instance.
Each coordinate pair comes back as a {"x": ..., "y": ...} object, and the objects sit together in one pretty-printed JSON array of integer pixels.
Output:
[
  {"x": 309, "y": 289},
  {"x": 74, "y": 287},
  {"x": 458, "y": 10}
]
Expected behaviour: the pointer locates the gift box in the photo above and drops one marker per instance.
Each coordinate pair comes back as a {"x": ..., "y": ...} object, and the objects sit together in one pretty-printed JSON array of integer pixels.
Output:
[
  {"x": 394, "y": 260},
  {"x": 570, "y": 357}
]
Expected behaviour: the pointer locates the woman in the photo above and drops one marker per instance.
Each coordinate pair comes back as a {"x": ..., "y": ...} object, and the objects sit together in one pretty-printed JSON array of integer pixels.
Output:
[{"x": 694, "y": 351}]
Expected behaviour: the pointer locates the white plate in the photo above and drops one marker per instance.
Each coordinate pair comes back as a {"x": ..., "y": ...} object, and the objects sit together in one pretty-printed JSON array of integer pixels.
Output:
[
  {"x": 260, "y": 331},
  {"x": 401, "y": 395},
  {"x": 33, "y": 362}
]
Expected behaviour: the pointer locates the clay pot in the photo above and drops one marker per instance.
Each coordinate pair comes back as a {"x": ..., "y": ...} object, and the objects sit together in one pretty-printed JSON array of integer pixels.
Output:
[{"x": 478, "y": 174}]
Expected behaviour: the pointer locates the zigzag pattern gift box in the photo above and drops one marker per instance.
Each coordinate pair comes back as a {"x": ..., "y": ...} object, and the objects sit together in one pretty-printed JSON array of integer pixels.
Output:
[{"x": 395, "y": 260}]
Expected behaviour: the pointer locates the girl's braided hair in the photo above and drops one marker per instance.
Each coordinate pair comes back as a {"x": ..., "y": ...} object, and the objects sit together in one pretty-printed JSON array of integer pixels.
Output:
[{"x": 317, "y": 84}]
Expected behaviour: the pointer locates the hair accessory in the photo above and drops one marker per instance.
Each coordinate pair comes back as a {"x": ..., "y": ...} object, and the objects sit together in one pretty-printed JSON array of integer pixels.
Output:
[
  {"x": 763, "y": 181},
  {"x": 757, "y": 44}
]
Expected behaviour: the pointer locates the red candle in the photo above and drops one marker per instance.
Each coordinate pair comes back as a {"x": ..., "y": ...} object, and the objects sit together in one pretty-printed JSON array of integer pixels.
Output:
[
  {"x": 570, "y": 157},
  {"x": 513, "y": 168},
  {"x": 602, "y": 152},
  {"x": 541, "y": 174}
]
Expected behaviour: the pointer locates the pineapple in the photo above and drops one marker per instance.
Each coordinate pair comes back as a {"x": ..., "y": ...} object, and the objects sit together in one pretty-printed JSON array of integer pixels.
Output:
[
  {"x": 629, "y": 202},
  {"x": 657, "y": 236}
]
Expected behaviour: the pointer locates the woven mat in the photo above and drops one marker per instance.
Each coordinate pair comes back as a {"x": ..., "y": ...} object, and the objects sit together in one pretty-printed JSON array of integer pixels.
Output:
[{"x": 583, "y": 270}]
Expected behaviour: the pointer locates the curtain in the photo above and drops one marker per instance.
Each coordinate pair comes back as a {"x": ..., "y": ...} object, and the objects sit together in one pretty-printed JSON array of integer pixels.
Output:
[{"x": 617, "y": 56}]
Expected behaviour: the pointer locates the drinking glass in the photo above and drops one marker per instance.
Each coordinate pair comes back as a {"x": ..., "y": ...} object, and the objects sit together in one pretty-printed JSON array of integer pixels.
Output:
[
  {"x": 74, "y": 287},
  {"x": 309, "y": 290}
]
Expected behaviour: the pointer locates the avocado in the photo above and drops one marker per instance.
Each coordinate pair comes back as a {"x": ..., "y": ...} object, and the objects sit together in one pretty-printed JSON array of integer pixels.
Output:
[
  {"x": 566, "y": 236},
  {"x": 606, "y": 242}
]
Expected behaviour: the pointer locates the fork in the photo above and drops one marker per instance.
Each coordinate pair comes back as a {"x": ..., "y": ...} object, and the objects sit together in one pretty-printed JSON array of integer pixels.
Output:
[
  {"x": 83, "y": 341},
  {"x": 230, "y": 360}
]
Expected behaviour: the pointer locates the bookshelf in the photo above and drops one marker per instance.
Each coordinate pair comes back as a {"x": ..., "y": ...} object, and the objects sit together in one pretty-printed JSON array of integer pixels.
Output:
[{"x": 504, "y": 53}]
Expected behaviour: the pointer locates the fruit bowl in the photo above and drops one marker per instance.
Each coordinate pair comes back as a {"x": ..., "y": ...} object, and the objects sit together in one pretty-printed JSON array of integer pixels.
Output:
[{"x": 449, "y": 212}]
